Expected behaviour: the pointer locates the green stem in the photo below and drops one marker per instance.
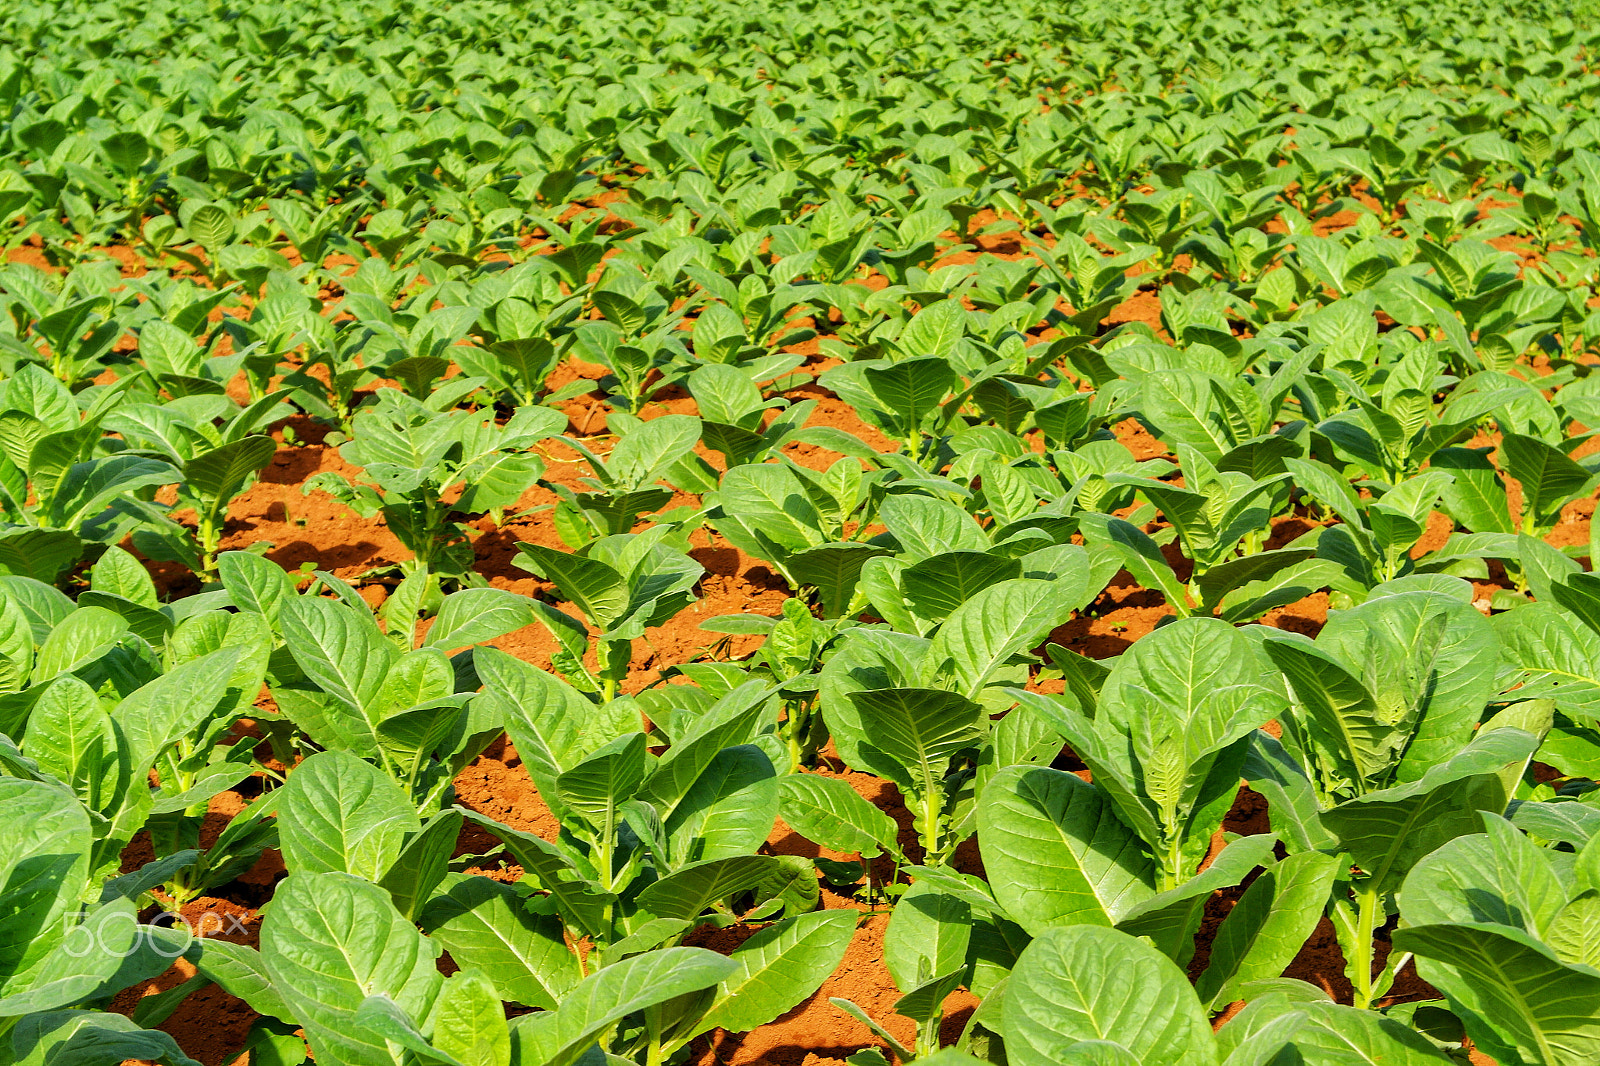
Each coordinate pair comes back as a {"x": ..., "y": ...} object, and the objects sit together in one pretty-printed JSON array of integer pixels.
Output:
[
  {"x": 1171, "y": 873},
  {"x": 210, "y": 536},
  {"x": 931, "y": 802},
  {"x": 1369, "y": 904},
  {"x": 928, "y": 1035},
  {"x": 793, "y": 728}
]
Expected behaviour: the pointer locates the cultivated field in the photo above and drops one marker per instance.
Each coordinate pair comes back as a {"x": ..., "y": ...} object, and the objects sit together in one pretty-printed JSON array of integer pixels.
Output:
[{"x": 798, "y": 533}]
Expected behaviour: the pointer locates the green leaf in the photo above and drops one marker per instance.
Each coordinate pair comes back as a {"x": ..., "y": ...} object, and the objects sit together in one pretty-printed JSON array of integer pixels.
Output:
[
  {"x": 912, "y": 388},
  {"x": 485, "y": 924},
  {"x": 1519, "y": 1002},
  {"x": 686, "y": 893},
  {"x": 559, "y": 1037},
  {"x": 1498, "y": 876},
  {"x": 997, "y": 623},
  {"x": 834, "y": 570},
  {"x": 771, "y": 500},
  {"x": 552, "y": 726},
  {"x": 90, "y": 1038},
  {"x": 645, "y": 453},
  {"x": 592, "y": 586},
  {"x": 422, "y": 863},
  {"x": 734, "y": 719},
  {"x": 927, "y": 937},
  {"x": 255, "y": 583},
  {"x": 240, "y": 971},
  {"x": 1291, "y": 800},
  {"x": 71, "y": 736},
  {"x": 178, "y": 703},
  {"x": 729, "y": 810},
  {"x": 80, "y": 960},
  {"x": 1439, "y": 657},
  {"x": 1055, "y": 851},
  {"x": 939, "y": 584},
  {"x": 581, "y": 903},
  {"x": 778, "y": 968},
  {"x": 81, "y": 637},
  {"x": 1386, "y": 832},
  {"x": 1343, "y": 715},
  {"x": 39, "y": 553},
  {"x": 339, "y": 813},
  {"x": 1169, "y": 919},
  {"x": 44, "y": 866},
  {"x": 475, "y": 616},
  {"x": 330, "y": 941},
  {"x": 829, "y": 812},
  {"x": 925, "y": 527},
  {"x": 1082, "y": 983},
  {"x": 598, "y": 785},
  {"x": 469, "y": 1021},
  {"x": 1548, "y": 477},
  {"x": 1141, "y": 555},
  {"x": 1475, "y": 496},
  {"x": 121, "y": 574},
  {"x": 339, "y": 648},
  {"x": 1267, "y": 927},
  {"x": 220, "y": 474},
  {"x": 911, "y": 733}
]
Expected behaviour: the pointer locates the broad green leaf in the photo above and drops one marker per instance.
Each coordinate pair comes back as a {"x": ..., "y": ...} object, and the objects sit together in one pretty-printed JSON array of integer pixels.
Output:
[
  {"x": 778, "y": 968},
  {"x": 1548, "y": 477},
  {"x": 1387, "y": 832},
  {"x": 485, "y": 924},
  {"x": 686, "y": 893},
  {"x": 582, "y": 903},
  {"x": 473, "y": 616},
  {"x": 911, "y": 733},
  {"x": 561, "y": 1036},
  {"x": 1055, "y": 851},
  {"x": 338, "y": 647},
  {"x": 927, "y": 936},
  {"x": 71, "y": 736},
  {"x": 80, "y": 960},
  {"x": 1518, "y": 1001},
  {"x": 941, "y": 583},
  {"x": 729, "y": 810},
  {"x": 339, "y": 813},
  {"x": 834, "y": 570},
  {"x": 330, "y": 941},
  {"x": 912, "y": 388},
  {"x": 1499, "y": 876},
  {"x": 254, "y": 583},
  {"x": 422, "y": 863},
  {"x": 829, "y": 812},
  {"x": 984, "y": 632},
  {"x": 590, "y": 585},
  {"x": 469, "y": 1021},
  {"x": 1267, "y": 927},
  {"x": 221, "y": 473},
  {"x": 91, "y": 1038},
  {"x": 605, "y": 779},
  {"x": 44, "y": 867},
  {"x": 1083, "y": 982},
  {"x": 1448, "y": 650}
]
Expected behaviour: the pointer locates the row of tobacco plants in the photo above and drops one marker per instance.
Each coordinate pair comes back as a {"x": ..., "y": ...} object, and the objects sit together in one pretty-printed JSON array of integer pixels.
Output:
[{"x": 1364, "y": 240}]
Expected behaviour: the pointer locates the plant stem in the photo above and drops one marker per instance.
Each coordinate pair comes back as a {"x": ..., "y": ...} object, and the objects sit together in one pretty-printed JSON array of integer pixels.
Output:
[
  {"x": 928, "y": 1034},
  {"x": 1369, "y": 904},
  {"x": 210, "y": 537}
]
